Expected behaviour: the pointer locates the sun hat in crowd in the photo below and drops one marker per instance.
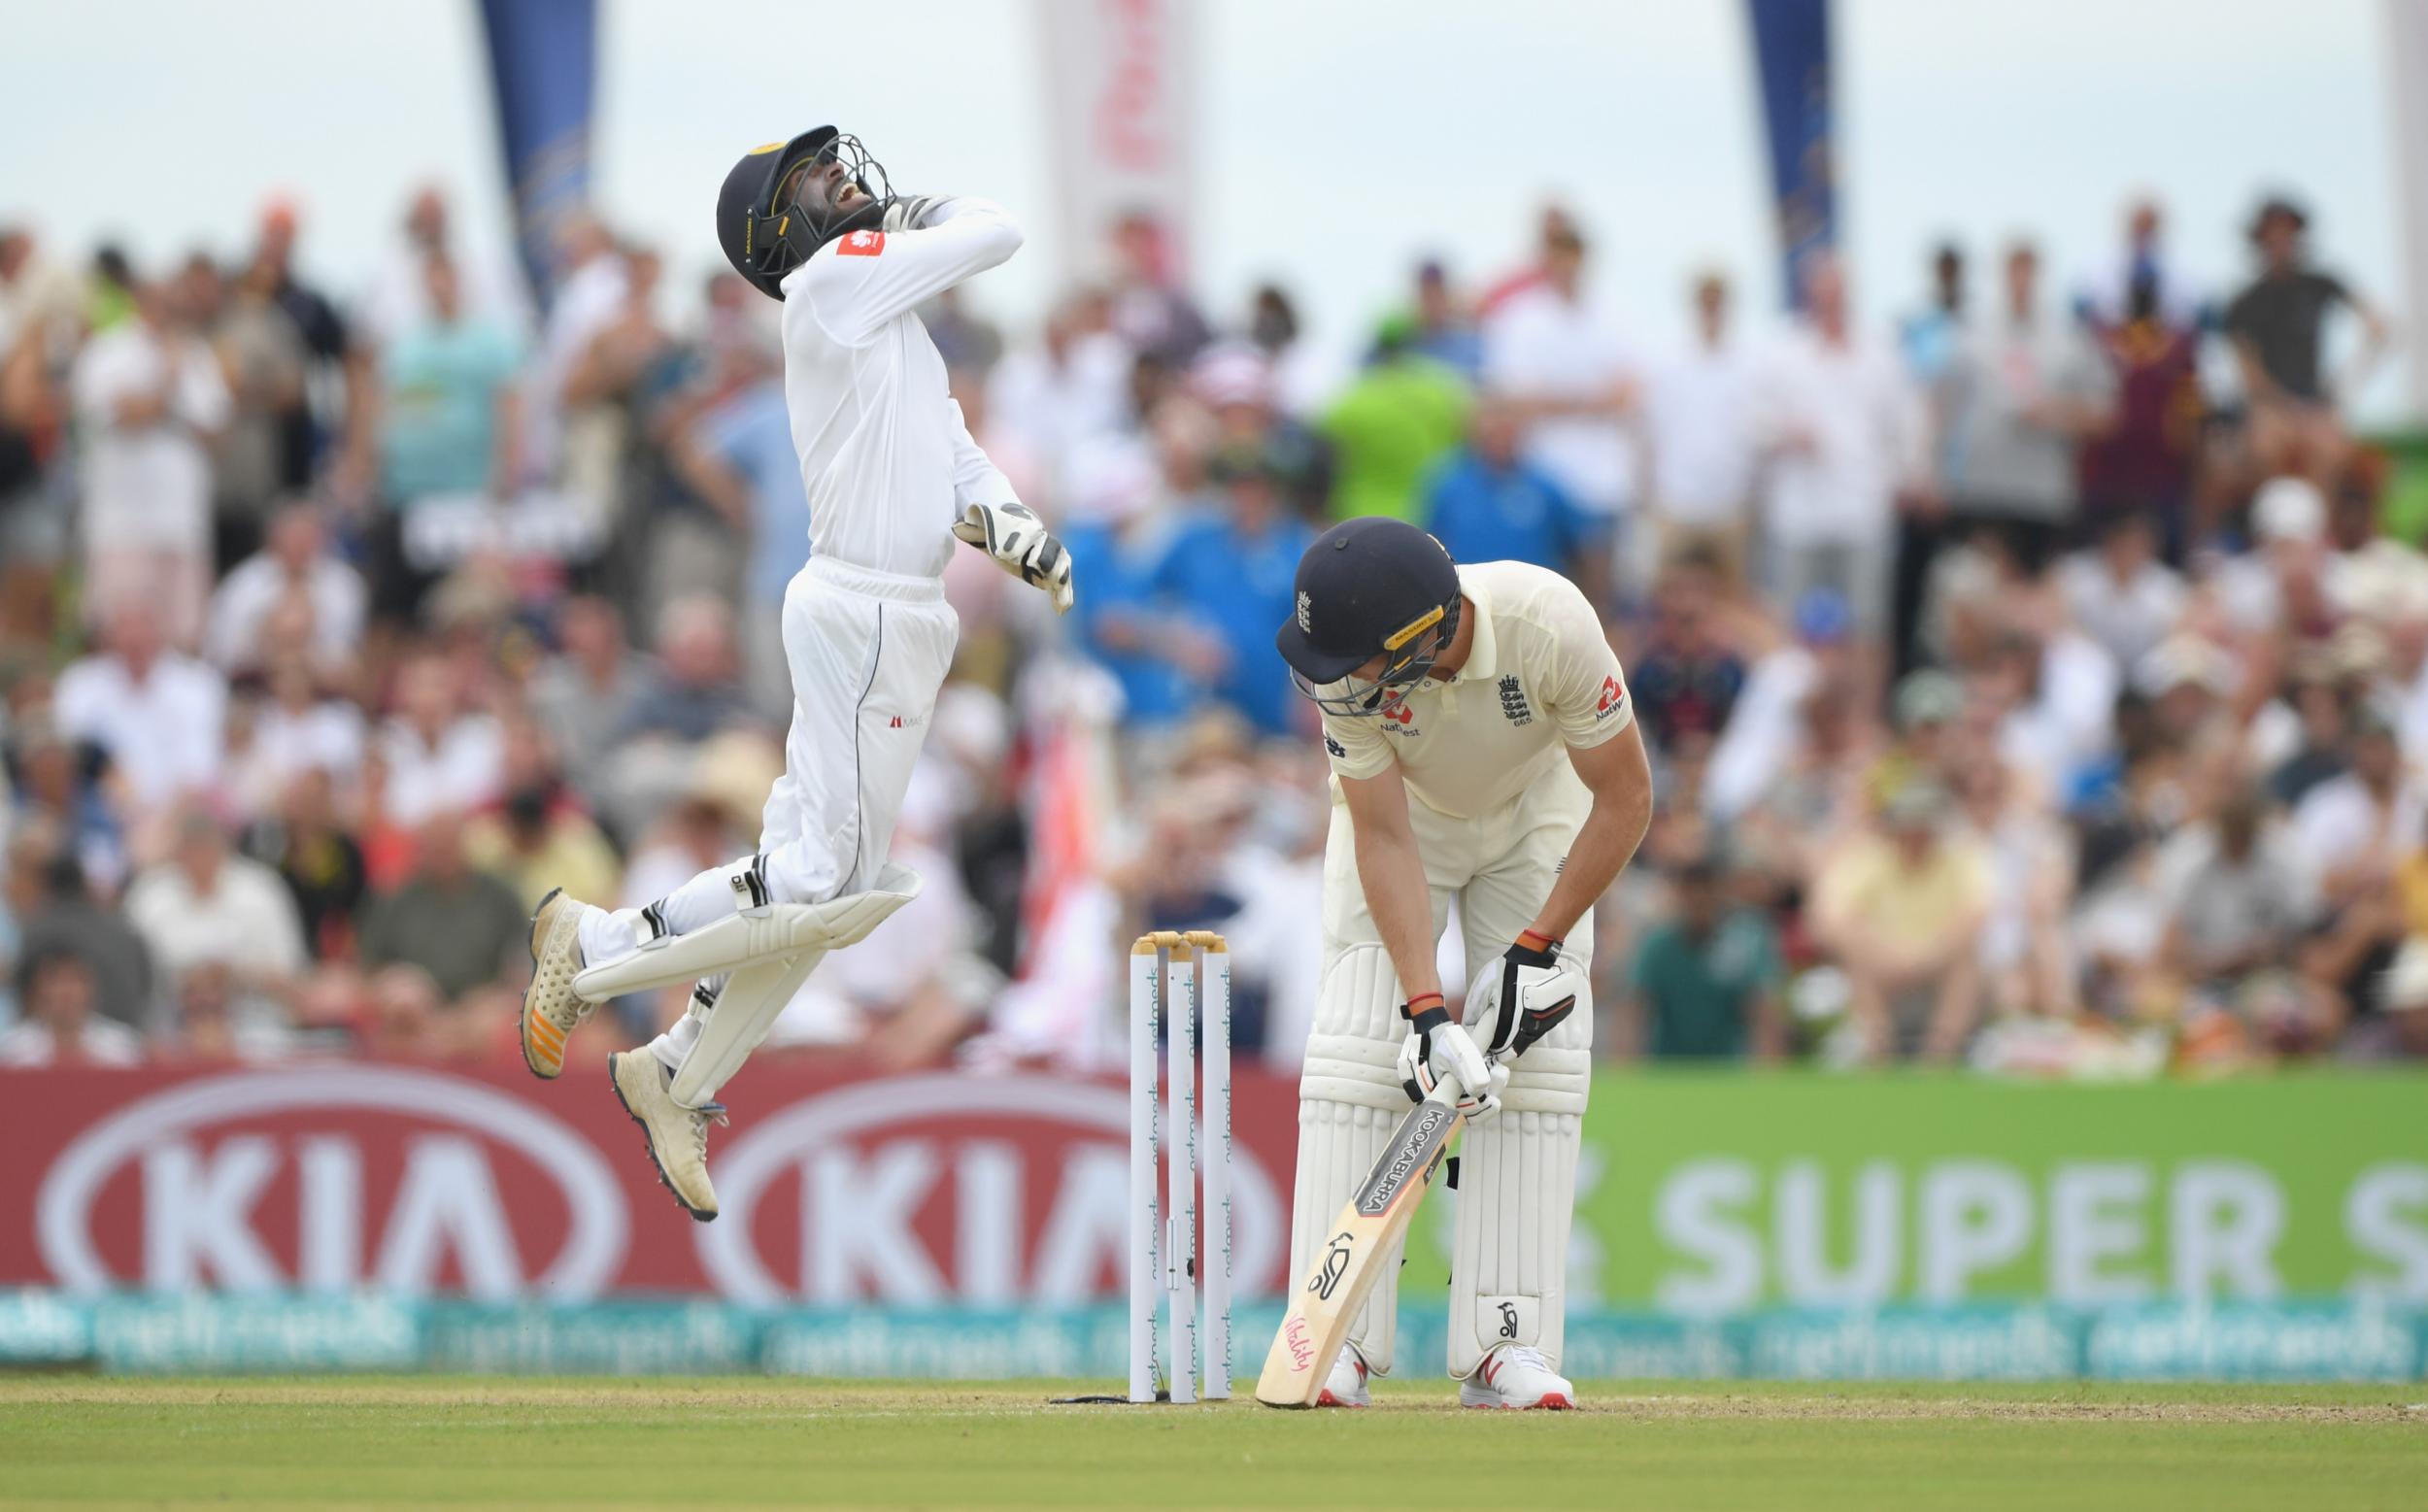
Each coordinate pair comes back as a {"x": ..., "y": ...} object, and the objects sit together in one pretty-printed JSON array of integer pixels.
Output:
[
  {"x": 2404, "y": 987},
  {"x": 1916, "y": 803},
  {"x": 1927, "y": 697},
  {"x": 2288, "y": 509},
  {"x": 2182, "y": 659}
]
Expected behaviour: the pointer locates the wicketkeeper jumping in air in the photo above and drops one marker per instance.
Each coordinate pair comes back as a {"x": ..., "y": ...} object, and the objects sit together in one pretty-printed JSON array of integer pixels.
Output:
[
  {"x": 1482, "y": 748},
  {"x": 894, "y": 478}
]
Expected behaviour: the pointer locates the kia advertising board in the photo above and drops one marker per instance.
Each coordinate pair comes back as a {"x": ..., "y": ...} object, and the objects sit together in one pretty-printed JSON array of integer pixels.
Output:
[
  {"x": 366, "y": 1216},
  {"x": 910, "y": 1191}
]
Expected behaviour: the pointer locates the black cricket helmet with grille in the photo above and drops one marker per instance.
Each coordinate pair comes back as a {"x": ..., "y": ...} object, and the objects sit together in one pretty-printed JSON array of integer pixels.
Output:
[
  {"x": 776, "y": 208},
  {"x": 1369, "y": 590}
]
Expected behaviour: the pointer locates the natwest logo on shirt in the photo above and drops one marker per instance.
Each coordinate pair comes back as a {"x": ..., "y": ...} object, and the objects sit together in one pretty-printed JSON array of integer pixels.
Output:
[
  {"x": 1401, "y": 715},
  {"x": 1613, "y": 698},
  {"x": 860, "y": 244}
]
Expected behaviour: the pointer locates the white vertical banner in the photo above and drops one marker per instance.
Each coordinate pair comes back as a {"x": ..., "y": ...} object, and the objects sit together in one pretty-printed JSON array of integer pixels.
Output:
[
  {"x": 2407, "y": 57},
  {"x": 1121, "y": 88}
]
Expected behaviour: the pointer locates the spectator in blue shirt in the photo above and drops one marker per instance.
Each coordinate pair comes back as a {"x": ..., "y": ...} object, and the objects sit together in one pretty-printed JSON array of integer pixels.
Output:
[
  {"x": 1119, "y": 537},
  {"x": 1232, "y": 573},
  {"x": 1485, "y": 503}
]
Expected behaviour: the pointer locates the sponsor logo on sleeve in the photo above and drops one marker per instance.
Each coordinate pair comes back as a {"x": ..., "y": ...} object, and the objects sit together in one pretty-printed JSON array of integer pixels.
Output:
[
  {"x": 860, "y": 244},
  {"x": 1613, "y": 698},
  {"x": 1513, "y": 704},
  {"x": 1335, "y": 750}
]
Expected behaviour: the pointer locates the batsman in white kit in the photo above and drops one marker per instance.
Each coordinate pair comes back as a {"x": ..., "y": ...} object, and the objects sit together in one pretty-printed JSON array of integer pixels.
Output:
[
  {"x": 894, "y": 478},
  {"x": 1483, "y": 749}
]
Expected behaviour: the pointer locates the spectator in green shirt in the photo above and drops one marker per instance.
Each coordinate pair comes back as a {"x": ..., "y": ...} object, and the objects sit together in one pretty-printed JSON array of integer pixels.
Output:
[
  {"x": 450, "y": 401},
  {"x": 1402, "y": 415},
  {"x": 1706, "y": 983}
]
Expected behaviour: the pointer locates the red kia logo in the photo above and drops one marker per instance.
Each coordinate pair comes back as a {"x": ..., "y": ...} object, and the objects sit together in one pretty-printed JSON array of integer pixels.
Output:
[
  {"x": 188, "y": 1187},
  {"x": 944, "y": 1187}
]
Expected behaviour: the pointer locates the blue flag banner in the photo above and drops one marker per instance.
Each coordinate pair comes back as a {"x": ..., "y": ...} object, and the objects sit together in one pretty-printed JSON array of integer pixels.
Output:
[
  {"x": 1792, "y": 52},
  {"x": 543, "y": 62}
]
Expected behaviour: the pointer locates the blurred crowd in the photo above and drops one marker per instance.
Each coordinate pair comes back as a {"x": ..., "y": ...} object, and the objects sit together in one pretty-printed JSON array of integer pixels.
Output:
[{"x": 2029, "y": 680}]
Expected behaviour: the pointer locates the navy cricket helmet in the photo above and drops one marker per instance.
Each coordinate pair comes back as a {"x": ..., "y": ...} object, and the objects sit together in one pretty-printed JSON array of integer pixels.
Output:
[
  {"x": 766, "y": 225},
  {"x": 1373, "y": 587}
]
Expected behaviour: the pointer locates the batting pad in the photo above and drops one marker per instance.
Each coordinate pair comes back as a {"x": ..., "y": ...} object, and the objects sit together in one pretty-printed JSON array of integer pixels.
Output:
[
  {"x": 1353, "y": 1049},
  {"x": 751, "y": 935},
  {"x": 1508, "y": 1274},
  {"x": 1349, "y": 1101}
]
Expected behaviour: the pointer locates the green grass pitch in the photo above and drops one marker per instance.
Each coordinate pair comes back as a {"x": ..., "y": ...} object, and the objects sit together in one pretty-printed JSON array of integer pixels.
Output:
[{"x": 414, "y": 1441}]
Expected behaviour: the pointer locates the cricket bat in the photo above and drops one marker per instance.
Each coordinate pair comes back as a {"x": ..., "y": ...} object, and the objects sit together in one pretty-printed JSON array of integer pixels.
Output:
[{"x": 1353, "y": 1257}]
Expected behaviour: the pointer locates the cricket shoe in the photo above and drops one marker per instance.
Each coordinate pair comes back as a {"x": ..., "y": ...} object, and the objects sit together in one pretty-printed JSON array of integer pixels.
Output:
[
  {"x": 1517, "y": 1377},
  {"x": 550, "y": 1012},
  {"x": 678, "y": 1136},
  {"x": 1345, "y": 1387}
]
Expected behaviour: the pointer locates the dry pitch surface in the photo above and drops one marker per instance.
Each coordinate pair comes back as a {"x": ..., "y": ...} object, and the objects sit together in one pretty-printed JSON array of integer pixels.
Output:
[{"x": 382, "y": 1443}]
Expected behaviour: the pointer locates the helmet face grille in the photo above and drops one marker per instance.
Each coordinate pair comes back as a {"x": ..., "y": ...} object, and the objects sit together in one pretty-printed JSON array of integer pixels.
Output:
[
  {"x": 768, "y": 223},
  {"x": 792, "y": 226},
  {"x": 1410, "y": 655}
]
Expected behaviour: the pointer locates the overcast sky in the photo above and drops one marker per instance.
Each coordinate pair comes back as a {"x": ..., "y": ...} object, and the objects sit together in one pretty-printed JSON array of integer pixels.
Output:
[{"x": 1341, "y": 139}]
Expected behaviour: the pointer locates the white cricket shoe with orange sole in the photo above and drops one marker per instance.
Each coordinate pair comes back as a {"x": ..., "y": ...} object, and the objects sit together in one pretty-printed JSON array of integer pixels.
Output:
[
  {"x": 1345, "y": 1387},
  {"x": 1516, "y": 1378},
  {"x": 550, "y": 1012}
]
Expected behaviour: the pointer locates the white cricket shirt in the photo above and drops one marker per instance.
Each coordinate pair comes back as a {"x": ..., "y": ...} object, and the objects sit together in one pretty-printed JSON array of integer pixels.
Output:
[
  {"x": 1539, "y": 677},
  {"x": 884, "y": 456}
]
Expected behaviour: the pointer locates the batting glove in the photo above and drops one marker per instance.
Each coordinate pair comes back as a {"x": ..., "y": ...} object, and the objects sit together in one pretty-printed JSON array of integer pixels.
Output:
[
  {"x": 1521, "y": 1002},
  {"x": 1437, "y": 1048}
]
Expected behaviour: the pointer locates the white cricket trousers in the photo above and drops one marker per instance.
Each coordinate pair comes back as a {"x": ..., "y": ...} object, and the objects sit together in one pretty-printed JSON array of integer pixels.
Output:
[{"x": 866, "y": 652}]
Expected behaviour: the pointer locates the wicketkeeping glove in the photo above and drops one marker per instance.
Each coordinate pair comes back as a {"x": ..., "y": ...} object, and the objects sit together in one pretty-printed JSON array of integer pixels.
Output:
[
  {"x": 1021, "y": 544},
  {"x": 909, "y": 212},
  {"x": 1437, "y": 1047}
]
